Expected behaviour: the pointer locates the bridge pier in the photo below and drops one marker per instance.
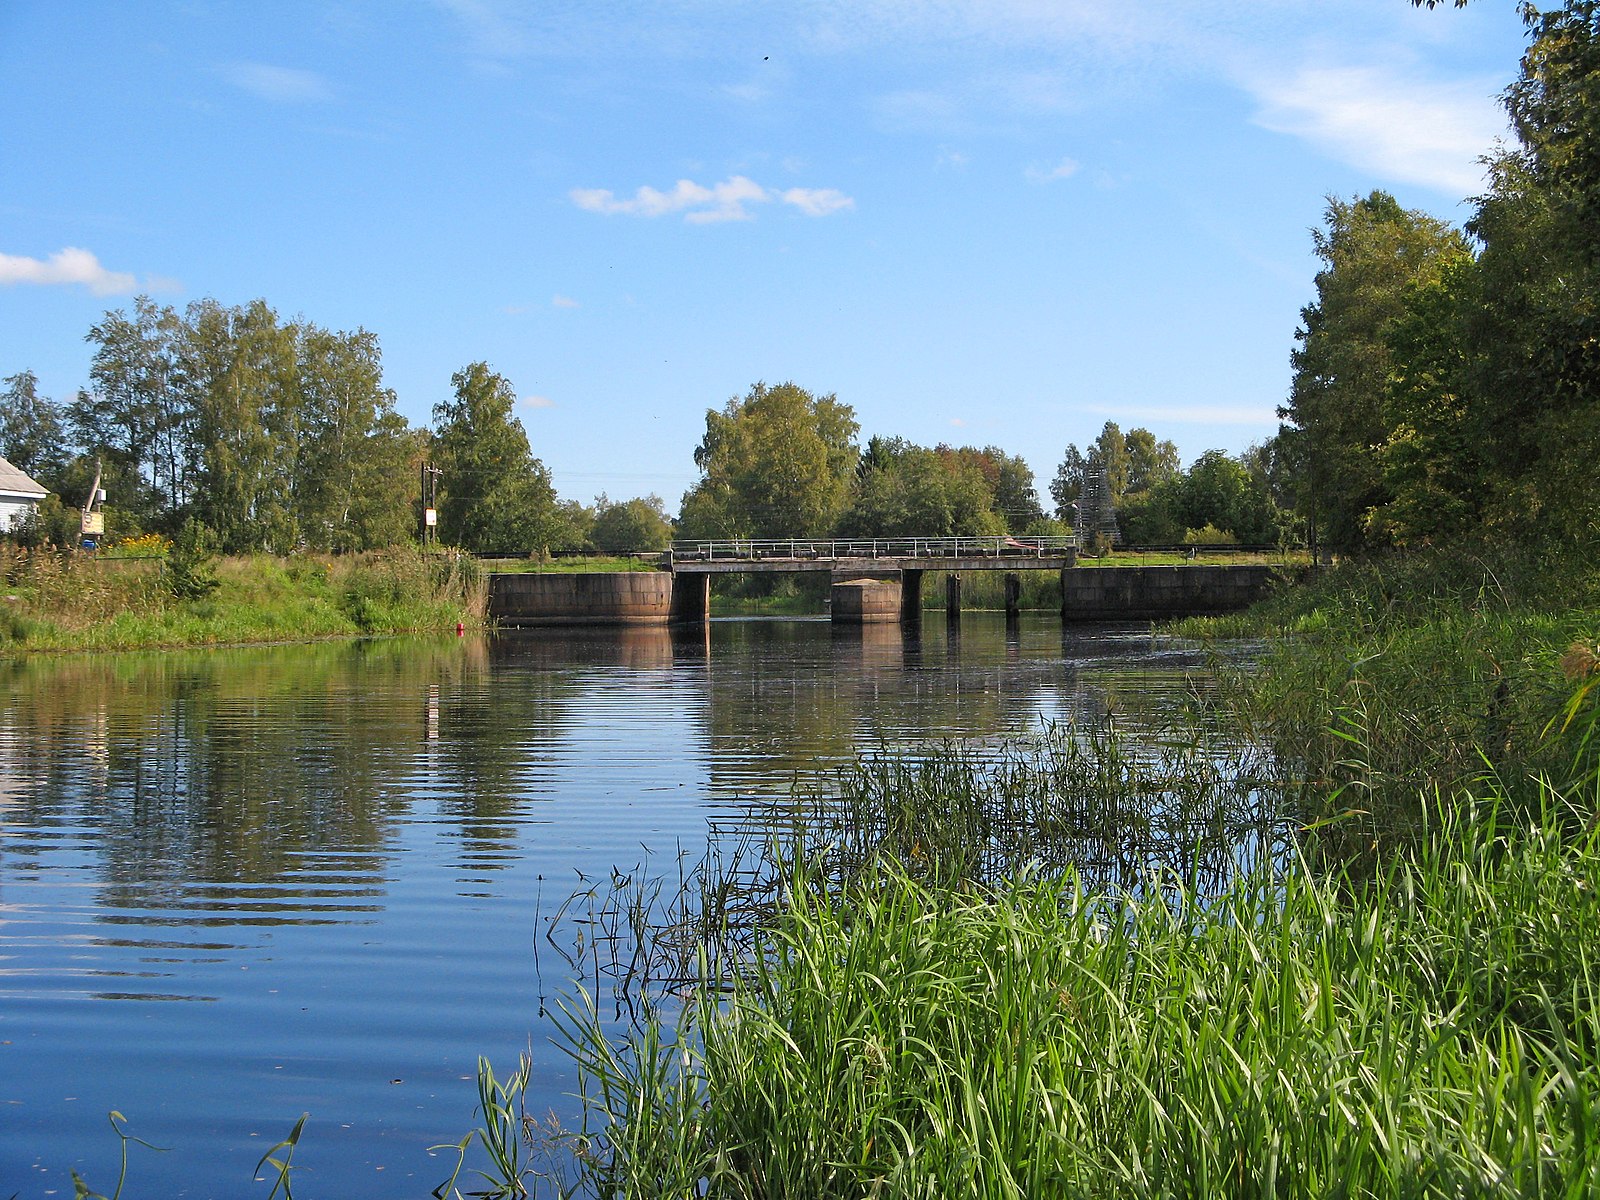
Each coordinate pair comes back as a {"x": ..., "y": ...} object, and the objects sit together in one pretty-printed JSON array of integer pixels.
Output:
[
  {"x": 910, "y": 597},
  {"x": 691, "y": 599},
  {"x": 952, "y": 597},
  {"x": 1013, "y": 597}
]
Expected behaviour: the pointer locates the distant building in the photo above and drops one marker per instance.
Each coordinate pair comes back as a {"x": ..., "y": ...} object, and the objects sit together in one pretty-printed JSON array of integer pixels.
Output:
[{"x": 19, "y": 496}]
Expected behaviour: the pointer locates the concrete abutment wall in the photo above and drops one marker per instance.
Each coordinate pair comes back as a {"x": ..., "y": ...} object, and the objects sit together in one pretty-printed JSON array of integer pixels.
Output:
[
  {"x": 1158, "y": 593},
  {"x": 599, "y": 598}
]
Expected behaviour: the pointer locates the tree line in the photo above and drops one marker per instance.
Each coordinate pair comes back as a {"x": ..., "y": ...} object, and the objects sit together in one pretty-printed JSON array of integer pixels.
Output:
[
  {"x": 1445, "y": 380},
  {"x": 273, "y": 435}
]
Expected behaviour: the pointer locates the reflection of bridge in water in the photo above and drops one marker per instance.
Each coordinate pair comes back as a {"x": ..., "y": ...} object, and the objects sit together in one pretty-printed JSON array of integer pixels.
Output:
[{"x": 874, "y": 578}]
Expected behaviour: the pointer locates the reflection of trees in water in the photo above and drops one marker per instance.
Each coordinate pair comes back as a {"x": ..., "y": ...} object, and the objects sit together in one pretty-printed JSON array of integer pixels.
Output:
[{"x": 259, "y": 780}]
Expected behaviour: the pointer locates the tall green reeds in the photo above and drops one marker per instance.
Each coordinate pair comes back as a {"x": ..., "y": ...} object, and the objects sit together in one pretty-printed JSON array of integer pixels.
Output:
[
  {"x": 1433, "y": 1036},
  {"x": 1386, "y": 681}
]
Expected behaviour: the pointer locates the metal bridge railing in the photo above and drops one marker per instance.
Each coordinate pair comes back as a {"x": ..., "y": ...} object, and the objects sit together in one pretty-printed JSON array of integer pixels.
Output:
[{"x": 753, "y": 550}]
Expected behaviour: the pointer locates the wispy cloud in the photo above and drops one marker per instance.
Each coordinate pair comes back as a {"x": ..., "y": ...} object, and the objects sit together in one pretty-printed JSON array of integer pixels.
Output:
[
  {"x": 1065, "y": 169},
  {"x": 1378, "y": 120},
  {"x": 69, "y": 266},
  {"x": 281, "y": 85},
  {"x": 536, "y": 402},
  {"x": 817, "y": 202},
  {"x": 559, "y": 301},
  {"x": 700, "y": 205},
  {"x": 492, "y": 30}
]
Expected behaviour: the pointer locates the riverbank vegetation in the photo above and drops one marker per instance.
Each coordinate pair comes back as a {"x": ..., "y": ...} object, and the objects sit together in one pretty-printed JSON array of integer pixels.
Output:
[
  {"x": 183, "y": 596},
  {"x": 1327, "y": 936}
]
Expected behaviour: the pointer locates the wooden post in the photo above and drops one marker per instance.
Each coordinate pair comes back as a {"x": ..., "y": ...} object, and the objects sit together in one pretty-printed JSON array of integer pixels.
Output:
[{"x": 952, "y": 597}]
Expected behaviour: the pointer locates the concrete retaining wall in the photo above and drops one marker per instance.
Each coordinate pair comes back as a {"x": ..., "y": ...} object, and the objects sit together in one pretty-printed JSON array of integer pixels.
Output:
[
  {"x": 865, "y": 601},
  {"x": 600, "y": 598},
  {"x": 1155, "y": 593}
]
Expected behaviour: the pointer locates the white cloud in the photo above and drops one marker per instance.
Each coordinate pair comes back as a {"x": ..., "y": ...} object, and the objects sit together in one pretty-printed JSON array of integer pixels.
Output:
[
  {"x": 559, "y": 301},
  {"x": 281, "y": 85},
  {"x": 1065, "y": 169},
  {"x": 69, "y": 266},
  {"x": 1398, "y": 127},
  {"x": 958, "y": 422},
  {"x": 700, "y": 205},
  {"x": 536, "y": 402},
  {"x": 818, "y": 202}
]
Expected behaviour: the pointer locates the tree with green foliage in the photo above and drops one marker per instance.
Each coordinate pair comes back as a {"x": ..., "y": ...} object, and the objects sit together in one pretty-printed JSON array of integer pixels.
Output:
[
  {"x": 1008, "y": 480},
  {"x": 1219, "y": 491},
  {"x": 1374, "y": 253},
  {"x": 911, "y": 491},
  {"x": 1436, "y": 456},
  {"x": 1149, "y": 462},
  {"x": 1538, "y": 400},
  {"x": 496, "y": 497},
  {"x": 33, "y": 430},
  {"x": 1109, "y": 455},
  {"x": 1067, "y": 485},
  {"x": 353, "y": 468},
  {"x": 134, "y": 417},
  {"x": 777, "y": 463},
  {"x": 239, "y": 370},
  {"x": 629, "y": 525}
]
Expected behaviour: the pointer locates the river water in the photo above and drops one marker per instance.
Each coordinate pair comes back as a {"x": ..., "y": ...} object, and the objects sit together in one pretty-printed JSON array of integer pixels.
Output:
[{"x": 245, "y": 884}]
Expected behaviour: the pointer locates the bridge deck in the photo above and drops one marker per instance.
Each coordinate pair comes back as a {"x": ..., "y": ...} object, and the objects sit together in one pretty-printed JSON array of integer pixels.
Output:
[{"x": 873, "y": 555}]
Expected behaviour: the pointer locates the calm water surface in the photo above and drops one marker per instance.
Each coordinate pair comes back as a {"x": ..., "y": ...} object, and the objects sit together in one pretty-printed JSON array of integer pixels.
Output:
[{"x": 240, "y": 885}]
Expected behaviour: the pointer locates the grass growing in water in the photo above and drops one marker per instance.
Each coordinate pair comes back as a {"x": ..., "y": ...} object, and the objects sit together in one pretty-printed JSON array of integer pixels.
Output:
[
  {"x": 1385, "y": 682},
  {"x": 1429, "y": 1030}
]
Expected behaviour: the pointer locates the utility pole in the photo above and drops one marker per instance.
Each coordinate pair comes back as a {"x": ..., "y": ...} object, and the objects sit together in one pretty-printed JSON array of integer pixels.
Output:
[{"x": 430, "y": 504}]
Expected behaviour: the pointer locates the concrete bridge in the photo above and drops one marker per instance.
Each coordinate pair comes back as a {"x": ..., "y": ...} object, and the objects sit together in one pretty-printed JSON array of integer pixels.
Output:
[{"x": 874, "y": 579}]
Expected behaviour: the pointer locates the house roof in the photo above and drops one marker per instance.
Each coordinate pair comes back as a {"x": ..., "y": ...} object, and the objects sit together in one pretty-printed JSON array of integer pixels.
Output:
[{"x": 14, "y": 482}]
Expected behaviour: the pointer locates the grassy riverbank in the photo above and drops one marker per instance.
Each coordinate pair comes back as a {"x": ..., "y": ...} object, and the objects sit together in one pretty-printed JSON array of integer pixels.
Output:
[
  {"x": 1386, "y": 987},
  {"x": 1421, "y": 675},
  {"x": 56, "y": 602}
]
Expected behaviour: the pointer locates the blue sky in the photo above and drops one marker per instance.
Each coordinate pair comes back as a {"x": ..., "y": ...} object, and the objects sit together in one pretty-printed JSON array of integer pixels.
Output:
[{"x": 976, "y": 221}]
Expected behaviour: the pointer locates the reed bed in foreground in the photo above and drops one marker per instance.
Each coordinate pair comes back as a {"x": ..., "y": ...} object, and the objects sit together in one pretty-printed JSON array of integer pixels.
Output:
[{"x": 1429, "y": 1029}]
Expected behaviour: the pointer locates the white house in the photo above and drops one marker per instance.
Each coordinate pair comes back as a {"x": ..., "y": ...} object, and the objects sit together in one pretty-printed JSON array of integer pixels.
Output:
[{"x": 19, "y": 495}]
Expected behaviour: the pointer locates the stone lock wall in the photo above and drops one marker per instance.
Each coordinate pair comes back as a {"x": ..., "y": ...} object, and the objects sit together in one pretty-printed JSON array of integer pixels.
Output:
[
  {"x": 1155, "y": 593},
  {"x": 599, "y": 598}
]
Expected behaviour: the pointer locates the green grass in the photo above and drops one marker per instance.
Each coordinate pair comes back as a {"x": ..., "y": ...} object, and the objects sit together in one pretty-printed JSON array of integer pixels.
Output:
[
  {"x": 1422, "y": 674},
  {"x": 1428, "y": 1029},
  {"x": 70, "y": 602}
]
